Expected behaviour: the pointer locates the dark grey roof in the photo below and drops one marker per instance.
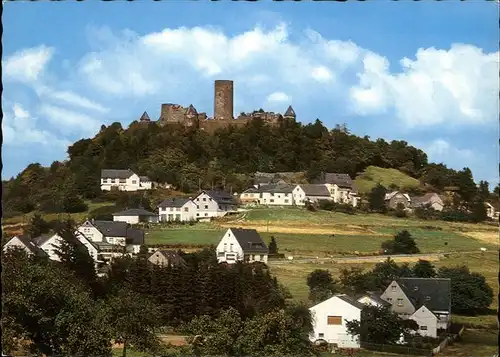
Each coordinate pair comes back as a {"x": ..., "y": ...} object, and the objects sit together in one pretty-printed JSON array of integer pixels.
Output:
[
  {"x": 289, "y": 112},
  {"x": 25, "y": 239},
  {"x": 135, "y": 212},
  {"x": 174, "y": 202},
  {"x": 272, "y": 188},
  {"x": 341, "y": 180},
  {"x": 221, "y": 197},
  {"x": 434, "y": 293},
  {"x": 135, "y": 236},
  {"x": 120, "y": 174},
  {"x": 145, "y": 117},
  {"x": 111, "y": 228},
  {"x": 145, "y": 178},
  {"x": 249, "y": 240},
  {"x": 315, "y": 190},
  {"x": 351, "y": 301}
]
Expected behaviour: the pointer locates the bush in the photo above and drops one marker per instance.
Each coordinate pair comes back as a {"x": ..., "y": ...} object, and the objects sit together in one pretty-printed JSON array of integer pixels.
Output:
[
  {"x": 11, "y": 214},
  {"x": 328, "y": 205},
  {"x": 104, "y": 213}
]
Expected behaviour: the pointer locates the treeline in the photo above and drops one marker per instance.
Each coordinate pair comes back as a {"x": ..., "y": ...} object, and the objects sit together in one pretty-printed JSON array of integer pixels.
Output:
[
  {"x": 64, "y": 308},
  {"x": 190, "y": 159}
]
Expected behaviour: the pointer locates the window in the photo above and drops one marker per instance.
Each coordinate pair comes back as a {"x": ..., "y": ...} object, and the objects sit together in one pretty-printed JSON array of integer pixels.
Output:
[
  {"x": 427, "y": 298},
  {"x": 400, "y": 302},
  {"x": 123, "y": 181},
  {"x": 186, "y": 209},
  {"x": 225, "y": 247},
  {"x": 231, "y": 247},
  {"x": 178, "y": 209},
  {"x": 206, "y": 214},
  {"x": 286, "y": 201},
  {"x": 204, "y": 199},
  {"x": 393, "y": 287},
  {"x": 423, "y": 328},
  {"x": 197, "y": 214},
  {"x": 334, "y": 320},
  {"x": 271, "y": 200},
  {"x": 389, "y": 300},
  {"x": 134, "y": 182},
  {"x": 197, "y": 199},
  {"x": 321, "y": 335},
  {"x": 206, "y": 206}
]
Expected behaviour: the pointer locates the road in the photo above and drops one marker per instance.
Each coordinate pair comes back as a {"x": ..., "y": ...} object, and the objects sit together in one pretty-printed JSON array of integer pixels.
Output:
[{"x": 363, "y": 258}]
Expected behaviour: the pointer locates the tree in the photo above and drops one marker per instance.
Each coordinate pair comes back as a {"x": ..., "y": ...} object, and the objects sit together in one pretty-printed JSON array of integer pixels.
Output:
[
  {"x": 424, "y": 269},
  {"x": 496, "y": 191},
  {"x": 483, "y": 190},
  {"x": 380, "y": 325},
  {"x": 37, "y": 226},
  {"x": 354, "y": 281},
  {"x": 376, "y": 198},
  {"x": 469, "y": 291},
  {"x": 131, "y": 319},
  {"x": 321, "y": 285},
  {"x": 403, "y": 243},
  {"x": 273, "y": 246},
  {"x": 478, "y": 211}
]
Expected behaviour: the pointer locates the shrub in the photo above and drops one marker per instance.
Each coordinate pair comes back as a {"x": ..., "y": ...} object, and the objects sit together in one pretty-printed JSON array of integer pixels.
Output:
[{"x": 104, "y": 213}]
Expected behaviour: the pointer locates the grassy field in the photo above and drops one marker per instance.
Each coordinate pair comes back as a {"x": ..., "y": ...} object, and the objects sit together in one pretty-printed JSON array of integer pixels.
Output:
[{"x": 387, "y": 177}]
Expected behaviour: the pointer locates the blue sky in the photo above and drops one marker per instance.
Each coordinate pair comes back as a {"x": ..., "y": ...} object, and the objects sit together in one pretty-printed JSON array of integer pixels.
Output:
[{"x": 424, "y": 72}]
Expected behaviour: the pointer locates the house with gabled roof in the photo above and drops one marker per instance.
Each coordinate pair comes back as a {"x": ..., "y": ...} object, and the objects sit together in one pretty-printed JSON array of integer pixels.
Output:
[
  {"x": 135, "y": 215},
  {"x": 239, "y": 244},
  {"x": 178, "y": 209},
  {"x": 124, "y": 180},
  {"x": 290, "y": 113},
  {"x": 165, "y": 258},
  {"x": 311, "y": 193},
  {"x": 112, "y": 238},
  {"x": 50, "y": 243},
  {"x": 427, "y": 301},
  {"x": 145, "y": 118},
  {"x": 393, "y": 199},
  {"x": 329, "y": 320},
  {"x": 340, "y": 186},
  {"x": 271, "y": 195},
  {"x": 24, "y": 242},
  {"x": 212, "y": 203},
  {"x": 430, "y": 200}
]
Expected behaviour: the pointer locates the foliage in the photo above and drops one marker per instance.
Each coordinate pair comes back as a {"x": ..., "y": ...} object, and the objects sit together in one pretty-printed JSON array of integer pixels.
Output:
[
  {"x": 273, "y": 246},
  {"x": 403, "y": 243},
  {"x": 37, "y": 226},
  {"x": 380, "y": 325},
  {"x": 424, "y": 269},
  {"x": 478, "y": 210},
  {"x": 329, "y": 205},
  {"x": 376, "y": 199},
  {"x": 469, "y": 291},
  {"x": 321, "y": 285},
  {"x": 387, "y": 177}
]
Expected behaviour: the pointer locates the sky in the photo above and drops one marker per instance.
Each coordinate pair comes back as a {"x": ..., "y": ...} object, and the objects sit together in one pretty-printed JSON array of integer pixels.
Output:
[{"x": 423, "y": 72}]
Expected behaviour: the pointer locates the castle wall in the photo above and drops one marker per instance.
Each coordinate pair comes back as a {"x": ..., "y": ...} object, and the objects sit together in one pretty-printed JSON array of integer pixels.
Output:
[{"x": 223, "y": 100}]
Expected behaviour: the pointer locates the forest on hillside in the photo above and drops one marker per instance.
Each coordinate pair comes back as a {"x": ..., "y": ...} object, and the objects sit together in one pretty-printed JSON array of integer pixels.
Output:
[{"x": 190, "y": 159}]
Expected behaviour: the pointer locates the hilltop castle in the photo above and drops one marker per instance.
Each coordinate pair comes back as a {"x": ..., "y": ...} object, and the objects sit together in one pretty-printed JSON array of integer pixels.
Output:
[{"x": 223, "y": 112}]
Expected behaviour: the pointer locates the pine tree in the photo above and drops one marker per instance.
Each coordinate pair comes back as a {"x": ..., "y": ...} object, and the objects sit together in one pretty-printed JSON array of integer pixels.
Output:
[
  {"x": 273, "y": 246},
  {"x": 38, "y": 226}
]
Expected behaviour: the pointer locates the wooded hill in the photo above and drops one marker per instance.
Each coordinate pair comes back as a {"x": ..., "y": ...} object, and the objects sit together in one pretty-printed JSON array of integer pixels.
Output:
[{"x": 189, "y": 159}]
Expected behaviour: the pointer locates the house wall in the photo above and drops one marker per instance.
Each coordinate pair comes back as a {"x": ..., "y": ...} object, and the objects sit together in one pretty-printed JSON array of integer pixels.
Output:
[
  {"x": 206, "y": 206},
  {"x": 158, "y": 259},
  {"x": 398, "y": 198},
  {"x": 318, "y": 198},
  {"x": 51, "y": 246},
  {"x": 276, "y": 199},
  {"x": 187, "y": 212},
  {"x": 128, "y": 219},
  {"x": 255, "y": 257},
  {"x": 93, "y": 252},
  {"x": 228, "y": 249},
  {"x": 334, "y": 333},
  {"x": 426, "y": 321},
  {"x": 392, "y": 294},
  {"x": 146, "y": 185},
  {"x": 133, "y": 183},
  {"x": 299, "y": 196},
  {"x": 444, "y": 319},
  {"x": 116, "y": 240},
  {"x": 90, "y": 232},
  {"x": 15, "y": 243},
  {"x": 249, "y": 197}
]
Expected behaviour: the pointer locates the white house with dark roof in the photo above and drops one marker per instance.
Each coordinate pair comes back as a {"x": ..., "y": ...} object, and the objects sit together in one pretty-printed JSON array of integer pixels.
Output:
[
  {"x": 112, "y": 238},
  {"x": 340, "y": 186},
  {"x": 329, "y": 320},
  {"x": 427, "y": 301},
  {"x": 240, "y": 244},
  {"x": 50, "y": 243},
  {"x": 311, "y": 193},
  {"x": 123, "y": 180},
  {"x": 177, "y": 209},
  {"x": 395, "y": 198},
  {"x": 431, "y": 200},
  {"x": 165, "y": 258},
  {"x": 135, "y": 215},
  {"x": 24, "y": 242},
  {"x": 214, "y": 204},
  {"x": 271, "y": 195}
]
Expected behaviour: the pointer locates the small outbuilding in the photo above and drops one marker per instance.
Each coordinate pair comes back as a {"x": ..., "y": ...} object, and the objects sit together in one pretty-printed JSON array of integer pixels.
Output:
[{"x": 135, "y": 215}]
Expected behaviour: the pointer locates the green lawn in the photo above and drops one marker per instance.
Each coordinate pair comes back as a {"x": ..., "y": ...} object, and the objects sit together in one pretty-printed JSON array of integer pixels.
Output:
[
  {"x": 373, "y": 175},
  {"x": 474, "y": 343}
]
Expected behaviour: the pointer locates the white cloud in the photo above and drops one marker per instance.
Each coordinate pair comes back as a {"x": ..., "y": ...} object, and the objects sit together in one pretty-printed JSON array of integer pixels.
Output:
[
  {"x": 67, "y": 121},
  {"x": 458, "y": 86},
  {"x": 19, "y": 128},
  {"x": 321, "y": 74},
  {"x": 27, "y": 65},
  {"x": 69, "y": 98},
  {"x": 441, "y": 150},
  {"x": 278, "y": 97}
]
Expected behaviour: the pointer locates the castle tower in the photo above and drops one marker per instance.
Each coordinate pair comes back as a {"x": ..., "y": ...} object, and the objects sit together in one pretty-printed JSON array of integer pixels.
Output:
[{"x": 223, "y": 100}]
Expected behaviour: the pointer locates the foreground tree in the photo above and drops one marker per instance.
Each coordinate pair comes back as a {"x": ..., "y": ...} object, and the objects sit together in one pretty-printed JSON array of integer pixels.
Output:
[
  {"x": 403, "y": 243},
  {"x": 273, "y": 246},
  {"x": 380, "y": 325},
  {"x": 424, "y": 269},
  {"x": 321, "y": 285},
  {"x": 37, "y": 226},
  {"x": 376, "y": 199},
  {"x": 470, "y": 293}
]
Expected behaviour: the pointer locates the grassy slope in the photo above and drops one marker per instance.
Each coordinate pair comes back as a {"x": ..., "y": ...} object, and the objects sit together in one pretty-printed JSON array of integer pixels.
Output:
[{"x": 373, "y": 175}]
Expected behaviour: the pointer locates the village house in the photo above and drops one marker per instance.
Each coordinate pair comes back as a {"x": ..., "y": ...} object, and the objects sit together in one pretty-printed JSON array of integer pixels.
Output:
[
  {"x": 427, "y": 301},
  {"x": 165, "y": 258},
  {"x": 112, "y": 238},
  {"x": 329, "y": 321},
  {"x": 177, "y": 209},
  {"x": 491, "y": 211},
  {"x": 311, "y": 193},
  {"x": 50, "y": 243},
  {"x": 240, "y": 244},
  {"x": 431, "y": 200},
  {"x": 135, "y": 215},
  {"x": 271, "y": 195},
  {"x": 340, "y": 186},
  {"x": 393, "y": 199},
  {"x": 214, "y": 204},
  {"x": 123, "y": 180},
  {"x": 24, "y": 242}
]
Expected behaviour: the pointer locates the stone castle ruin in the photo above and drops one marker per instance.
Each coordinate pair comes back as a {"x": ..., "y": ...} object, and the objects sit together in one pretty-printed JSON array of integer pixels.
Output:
[{"x": 223, "y": 112}]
